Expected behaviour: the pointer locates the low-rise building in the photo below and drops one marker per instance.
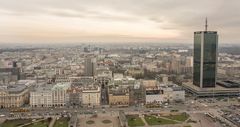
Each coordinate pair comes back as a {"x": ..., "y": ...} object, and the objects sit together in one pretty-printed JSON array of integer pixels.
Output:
[
  {"x": 121, "y": 80},
  {"x": 118, "y": 96},
  {"x": 159, "y": 93},
  {"x": 13, "y": 96},
  {"x": 137, "y": 94},
  {"x": 81, "y": 80},
  {"x": 59, "y": 92},
  {"x": 91, "y": 95},
  {"x": 162, "y": 78},
  {"x": 103, "y": 76},
  {"x": 48, "y": 95},
  {"x": 75, "y": 96},
  {"x": 41, "y": 96},
  {"x": 154, "y": 95},
  {"x": 173, "y": 93},
  {"x": 61, "y": 79}
]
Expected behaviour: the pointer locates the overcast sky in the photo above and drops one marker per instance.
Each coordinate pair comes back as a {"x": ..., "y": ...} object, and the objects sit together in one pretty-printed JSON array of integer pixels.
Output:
[{"x": 116, "y": 20}]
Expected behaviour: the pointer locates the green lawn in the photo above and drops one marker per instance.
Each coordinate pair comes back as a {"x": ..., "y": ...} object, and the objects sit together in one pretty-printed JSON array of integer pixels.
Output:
[
  {"x": 90, "y": 122},
  {"x": 61, "y": 122},
  {"x": 43, "y": 123},
  {"x": 181, "y": 117},
  {"x": 134, "y": 120},
  {"x": 106, "y": 121},
  {"x": 15, "y": 123},
  {"x": 153, "y": 120}
]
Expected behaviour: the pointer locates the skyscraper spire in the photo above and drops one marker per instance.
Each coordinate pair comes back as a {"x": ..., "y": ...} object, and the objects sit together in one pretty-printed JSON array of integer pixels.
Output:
[{"x": 206, "y": 24}]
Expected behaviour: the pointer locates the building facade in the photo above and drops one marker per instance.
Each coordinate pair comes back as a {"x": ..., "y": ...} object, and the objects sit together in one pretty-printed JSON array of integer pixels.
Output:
[
  {"x": 90, "y": 66},
  {"x": 137, "y": 94},
  {"x": 75, "y": 96},
  {"x": 41, "y": 97},
  {"x": 154, "y": 96},
  {"x": 13, "y": 96},
  {"x": 118, "y": 97},
  {"x": 91, "y": 96},
  {"x": 205, "y": 58},
  {"x": 60, "y": 95},
  {"x": 10, "y": 74},
  {"x": 172, "y": 94}
]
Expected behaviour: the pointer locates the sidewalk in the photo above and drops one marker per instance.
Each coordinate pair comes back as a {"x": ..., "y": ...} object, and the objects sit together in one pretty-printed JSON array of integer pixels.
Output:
[
  {"x": 30, "y": 123},
  {"x": 52, "y": 122}
]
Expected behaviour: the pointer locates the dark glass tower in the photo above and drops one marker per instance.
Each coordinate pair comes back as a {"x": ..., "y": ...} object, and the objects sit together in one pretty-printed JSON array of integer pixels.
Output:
[{"x": 205, "y": 58}]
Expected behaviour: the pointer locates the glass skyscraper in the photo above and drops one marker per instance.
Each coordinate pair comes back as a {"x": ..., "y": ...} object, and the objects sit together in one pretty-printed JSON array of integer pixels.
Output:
[{"x": 205, "y": 58}]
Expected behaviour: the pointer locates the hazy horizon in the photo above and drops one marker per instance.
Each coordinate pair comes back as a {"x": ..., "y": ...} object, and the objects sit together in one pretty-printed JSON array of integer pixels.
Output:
[{"x": 62, "y": 21}]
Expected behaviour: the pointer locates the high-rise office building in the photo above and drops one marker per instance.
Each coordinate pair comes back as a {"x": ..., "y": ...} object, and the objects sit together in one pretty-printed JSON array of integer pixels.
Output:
[
  {"x": 205, "y": 58},
  {"x": 90, "y": 66}
]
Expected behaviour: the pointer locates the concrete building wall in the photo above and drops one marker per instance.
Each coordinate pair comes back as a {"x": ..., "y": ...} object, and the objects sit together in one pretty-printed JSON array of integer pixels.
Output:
[
  {"x": 157, "y": 98},
  {"x": 8, "y": 100},
  {"x": 41, "y": 99},
  {"x": 91, "y": 98},
  {"x": 60, "y": 97},
  {"x": 119, "y": 100}
]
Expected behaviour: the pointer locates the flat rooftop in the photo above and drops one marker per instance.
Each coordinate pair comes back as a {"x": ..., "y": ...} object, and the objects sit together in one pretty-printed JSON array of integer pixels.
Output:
[
  {"x": 228, "y": 84},
  {"x": 215, "y": 91},
  {"x": 14, "y": 89},
  {"x": 119, "y": 91}
]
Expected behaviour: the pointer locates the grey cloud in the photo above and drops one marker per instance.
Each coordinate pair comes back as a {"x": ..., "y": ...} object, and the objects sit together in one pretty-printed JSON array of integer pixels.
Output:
[
  {"x": 184, "y": 15},
  {"x": 155, "y": 19}
]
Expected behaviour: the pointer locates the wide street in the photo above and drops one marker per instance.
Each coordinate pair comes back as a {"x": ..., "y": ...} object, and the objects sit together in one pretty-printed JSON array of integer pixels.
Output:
[{"x": 195, "y": 108}]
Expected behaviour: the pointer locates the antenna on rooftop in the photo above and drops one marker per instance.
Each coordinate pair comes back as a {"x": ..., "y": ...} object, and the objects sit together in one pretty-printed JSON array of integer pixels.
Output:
[{"x": 206, "y": 24}]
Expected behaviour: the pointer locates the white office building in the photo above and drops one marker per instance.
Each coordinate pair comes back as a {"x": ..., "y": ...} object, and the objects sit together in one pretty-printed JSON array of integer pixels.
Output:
[
  {"x": 41, "y": 96},
  {"x": 59, "y": 94}
]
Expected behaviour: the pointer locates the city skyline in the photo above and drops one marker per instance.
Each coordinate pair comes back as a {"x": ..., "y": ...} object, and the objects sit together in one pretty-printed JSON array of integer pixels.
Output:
[
  {"x": 94, "y": 21},
  {"x": 128, "y": 63}
]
